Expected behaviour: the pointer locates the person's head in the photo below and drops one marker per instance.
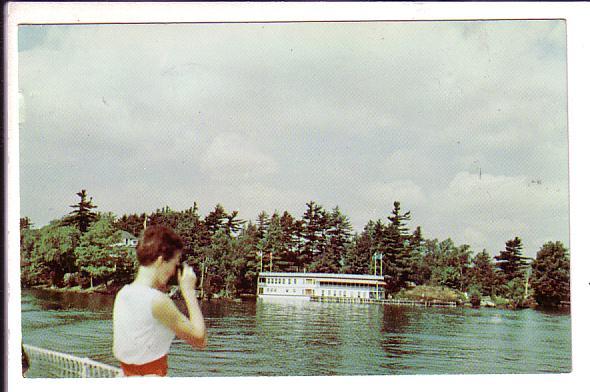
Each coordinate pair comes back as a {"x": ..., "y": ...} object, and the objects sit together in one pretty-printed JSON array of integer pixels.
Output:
[{"x": 160, "y": 247}]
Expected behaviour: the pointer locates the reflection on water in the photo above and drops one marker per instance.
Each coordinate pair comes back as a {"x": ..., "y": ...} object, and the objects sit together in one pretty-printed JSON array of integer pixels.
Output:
[{"x": 307, "y": 338}]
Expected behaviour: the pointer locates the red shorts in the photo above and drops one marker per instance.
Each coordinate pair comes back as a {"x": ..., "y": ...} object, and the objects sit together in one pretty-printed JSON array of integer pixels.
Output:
[{"x": 159, "y": 367}]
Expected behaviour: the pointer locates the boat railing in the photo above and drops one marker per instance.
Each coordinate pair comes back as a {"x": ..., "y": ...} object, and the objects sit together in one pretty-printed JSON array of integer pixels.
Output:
[{"x": 62, "y": 365}]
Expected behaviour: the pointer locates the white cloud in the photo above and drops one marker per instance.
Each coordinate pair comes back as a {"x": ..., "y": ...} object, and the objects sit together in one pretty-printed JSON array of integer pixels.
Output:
[
  {"x": 265, "y": 116},
  {"x": 486, "y": 211},
  {"x": 232, "y": 154}
]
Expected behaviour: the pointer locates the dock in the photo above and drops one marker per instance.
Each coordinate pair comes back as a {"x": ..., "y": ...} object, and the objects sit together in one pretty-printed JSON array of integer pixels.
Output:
[{"x": 400, "y": 302}]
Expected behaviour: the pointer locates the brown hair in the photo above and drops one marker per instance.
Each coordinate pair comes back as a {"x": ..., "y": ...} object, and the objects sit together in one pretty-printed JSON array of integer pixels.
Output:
[{"x": 158, "y": 241}]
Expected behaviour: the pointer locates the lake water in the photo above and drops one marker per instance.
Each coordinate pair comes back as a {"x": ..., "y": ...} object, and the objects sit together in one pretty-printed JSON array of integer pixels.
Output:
[{"x": 319, "y": 339}]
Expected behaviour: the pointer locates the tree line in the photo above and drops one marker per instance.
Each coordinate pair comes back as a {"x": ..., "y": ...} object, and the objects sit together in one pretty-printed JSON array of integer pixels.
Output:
[{"x": 85, "y": 248}]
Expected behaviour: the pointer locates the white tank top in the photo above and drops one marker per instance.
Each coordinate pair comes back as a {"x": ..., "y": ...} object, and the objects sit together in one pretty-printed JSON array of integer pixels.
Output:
[{"x": 138, "y": 337}]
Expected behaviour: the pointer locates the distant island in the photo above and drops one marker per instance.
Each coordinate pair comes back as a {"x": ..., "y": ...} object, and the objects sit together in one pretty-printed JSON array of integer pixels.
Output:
[{"x": 95, "y": 251}]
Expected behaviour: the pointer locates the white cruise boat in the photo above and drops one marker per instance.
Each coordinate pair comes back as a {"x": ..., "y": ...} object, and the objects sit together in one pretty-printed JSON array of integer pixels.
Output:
[{"x": 305, "y": 286}]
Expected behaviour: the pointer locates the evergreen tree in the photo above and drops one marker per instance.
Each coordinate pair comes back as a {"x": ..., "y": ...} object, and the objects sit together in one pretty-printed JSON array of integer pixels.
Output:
[
  {"x": 262, "y": 222},
  {"x": 338, "y": 234},
  {"x": 132, "y": 223},
  {"x": 215, "y": 220},
  {"x": 462, "y": 261},
  {"x": 396, "y": 250},
  {"x": 510, "y": 261},
  {"x": 30, "y": 270},
  {"x": 444, "y": 261},
  {"x": 192, "y": 230},
  {"x": 82, "y": 216},
  {"x": 272, "y": 243},
  {"x": 377, "y": 233},
  {"x": 54, "y": 256},
  {"x": 291, "y": 230},
  {"x": 165, "y": 216},
  {"x": 314, "y": 220},
  {"x": 233, "y": 225},
  {"x": 482, "y": 273},
  {"x": 358, "y": 254},
  {"x": 247, "y": 274},
  {"x": 550, "y": 278},
  {"x": 100, "y": 253},
  {"x": 219, "y": 256},
  {"x": 420, "y": 269},
  {"x": 326, "y": 263}
]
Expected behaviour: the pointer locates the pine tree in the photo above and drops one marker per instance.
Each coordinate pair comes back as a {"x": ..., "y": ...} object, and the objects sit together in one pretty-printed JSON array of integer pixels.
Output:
[
  {"x": 420, "y": 270},
  {"x": 396, "y": 250},
  {"x": 482, "y": 273},
  {"x": 262, "y": 222},
  {"x": 99, "y": 254},
  {"x": 215, "y": 220},
  {"x": 338, "y": 235},
  {"x": 314, "y": 221},
  {"x": 291, "y": 229},
  {"x": 510, "y": 261},
  {"x": 550, "y": 278},
  {"x": 358, "y": 254},
  {"x": 132, "y": 223},
  {"x": 82, "y": 216},
  {"x": 272, "y": 243},
  {"x": 233, "y": 225}
]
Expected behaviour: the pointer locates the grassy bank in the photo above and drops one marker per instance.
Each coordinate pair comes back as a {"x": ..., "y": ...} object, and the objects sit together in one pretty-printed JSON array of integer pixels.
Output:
[{"x": 445, "y": 294}]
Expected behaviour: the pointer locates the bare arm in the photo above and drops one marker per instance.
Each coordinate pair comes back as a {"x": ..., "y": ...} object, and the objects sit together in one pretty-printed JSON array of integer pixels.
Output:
[{"x": 192, "y": 329}]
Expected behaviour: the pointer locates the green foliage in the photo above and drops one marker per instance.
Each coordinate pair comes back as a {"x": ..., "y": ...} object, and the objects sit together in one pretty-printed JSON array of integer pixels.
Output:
[
  {"x": 31, "y": 273},
  {"x": 326, "y": 263},
  {"x": 396, "y": 249},
  {"x": 447, "y": 263},
  {"x": 100, "y": 254},
  {"x": 550, "y": 278},
  {"x": 247, "y": 266},
  {"x": 54, "y": 254},
  {"x": 510, "y": 261},
  {"x": 421, "y": 271},
  {"x": 313, "y": 233},
  {"x": 215, "y": 220},
  {"x": 232, "y": 224},
  {"x": 25, "y": 223},
  {"x": 338, "y": 236},
  {"x": 273, "y": 244},
  {"x": 358, "y": 254},
  {"x": 482, "y": 273},
  {"x": 430, "y": 293},
  {"x": 515, "y": 290},
  {"x": 82, "y": 216},
  {"x": 291, "y": 229},
  {"x": 474, "y": 295},
  {"x": 224, "y": 249},
  {"x": 132, "y": 223}
]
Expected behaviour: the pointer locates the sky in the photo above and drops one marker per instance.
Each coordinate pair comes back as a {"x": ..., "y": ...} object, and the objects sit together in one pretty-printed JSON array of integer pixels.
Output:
[{"x": 464, "y": 123}]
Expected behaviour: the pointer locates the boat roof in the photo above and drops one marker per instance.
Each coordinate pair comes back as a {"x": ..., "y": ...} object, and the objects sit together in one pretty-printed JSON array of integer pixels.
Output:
[{"x": 322, "y": 276}]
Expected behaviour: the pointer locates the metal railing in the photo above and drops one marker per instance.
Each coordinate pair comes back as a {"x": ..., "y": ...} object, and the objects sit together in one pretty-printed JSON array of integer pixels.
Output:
[{"x": 60, "y": 365}]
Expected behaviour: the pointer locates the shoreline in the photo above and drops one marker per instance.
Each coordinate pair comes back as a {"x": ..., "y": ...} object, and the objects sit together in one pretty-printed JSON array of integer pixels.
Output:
[
  {"x": 111, "y": 291},
  {"x": 104, "y": 290}
]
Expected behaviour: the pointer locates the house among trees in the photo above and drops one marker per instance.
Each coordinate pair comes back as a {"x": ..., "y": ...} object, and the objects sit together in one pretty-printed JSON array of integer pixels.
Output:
[{"x": 127, "y": 239}]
